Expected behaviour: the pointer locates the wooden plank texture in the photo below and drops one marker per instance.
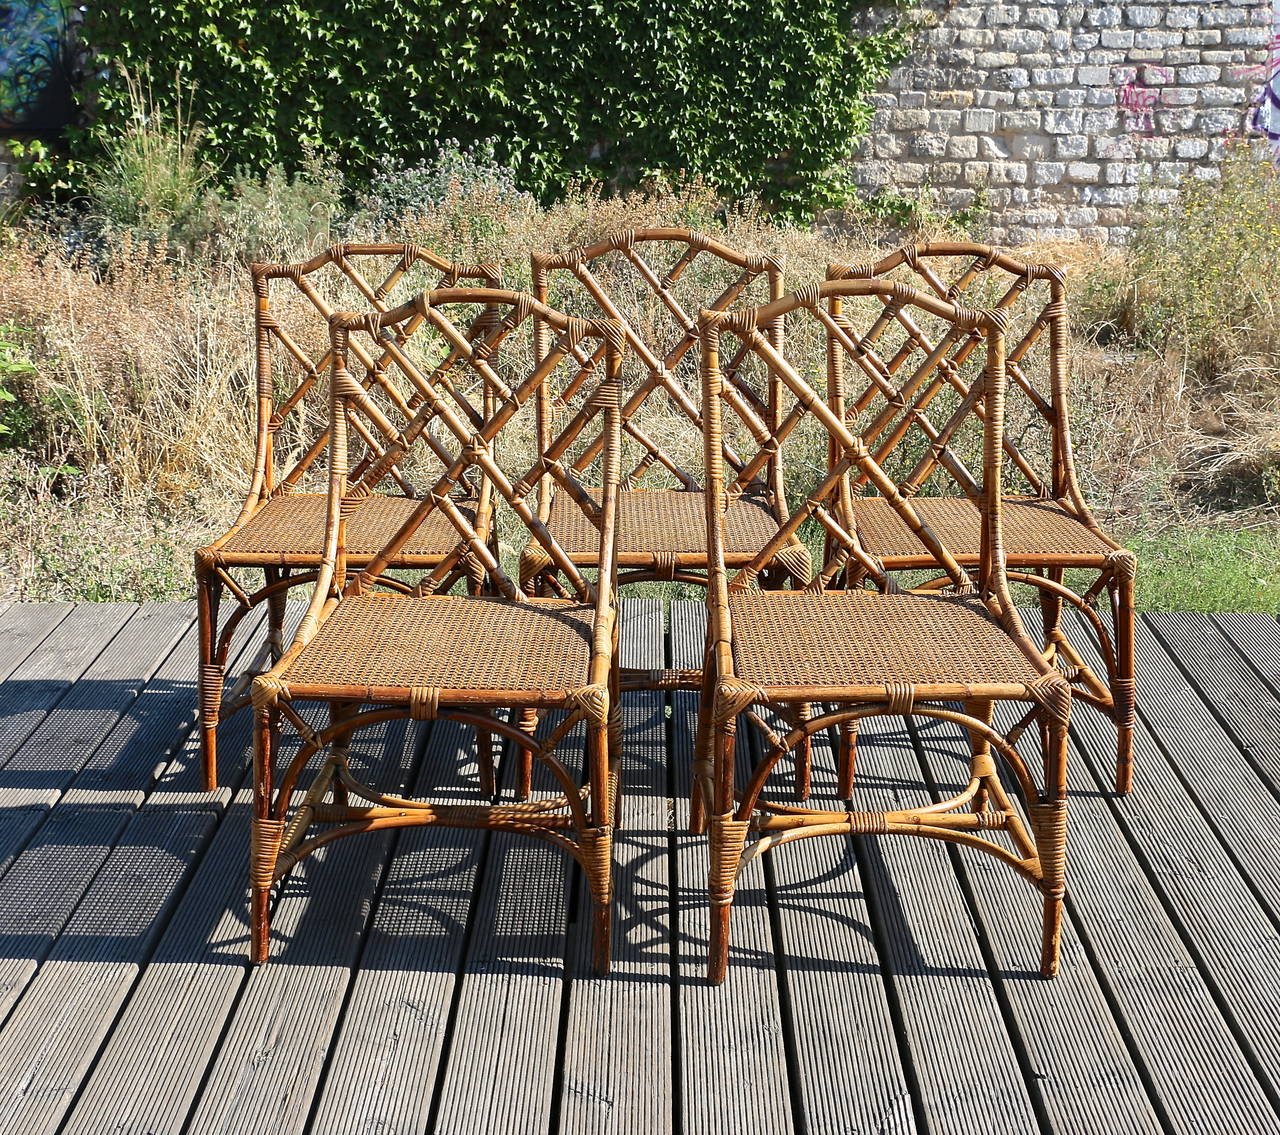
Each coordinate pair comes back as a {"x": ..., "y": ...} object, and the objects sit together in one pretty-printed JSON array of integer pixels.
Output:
[
  {"x": 733, "y": 1052},
  {"x": 439, "y": 980}
]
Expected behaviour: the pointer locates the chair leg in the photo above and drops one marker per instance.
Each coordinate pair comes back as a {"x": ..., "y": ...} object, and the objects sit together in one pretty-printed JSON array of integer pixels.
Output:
[
  {"x": 524, "y": 757},
  {"x": 1051, "y": 610},
  {"x": 265, "y": 836},
  {"x": 703, "y": 758},
  {"x": 276, "y": 609},
  {"x": 340, "y": 746},
  {"x": 484, "y": 762},
  {"x": 804, "y": 755},
  {"x": 847, "y": 759},
  {"x": 980, "y": 709},
  {"x": 211, "y": 676},
  {"x": 728, "y": 837},
  {"x": 260, "y": 925},
  {"x": 1049, "y": 822},
  {"x": 1123, "y": 691},
  {"x": 597, "y": 844}
]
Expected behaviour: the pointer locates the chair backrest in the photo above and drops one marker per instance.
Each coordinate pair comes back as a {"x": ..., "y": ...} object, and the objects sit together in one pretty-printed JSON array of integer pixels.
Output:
[
  {"x": 474, "y": 327},
  {"x": 915, "y": 411},
  {"x": 654, "y": 281},
  {"x": 293, "y": 306},
  {"x": 865, "y": 305}
]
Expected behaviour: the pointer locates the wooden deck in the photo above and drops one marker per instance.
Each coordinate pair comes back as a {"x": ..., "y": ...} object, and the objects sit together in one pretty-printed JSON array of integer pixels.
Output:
[{"x": 435, "y": 980}]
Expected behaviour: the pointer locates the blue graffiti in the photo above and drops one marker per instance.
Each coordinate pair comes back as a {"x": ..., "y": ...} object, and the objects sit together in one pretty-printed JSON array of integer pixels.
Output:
[{"x": 35, "y": 71}]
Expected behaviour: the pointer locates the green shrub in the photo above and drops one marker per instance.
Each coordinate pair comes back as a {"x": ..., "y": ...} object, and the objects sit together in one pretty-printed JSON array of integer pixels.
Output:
[
  {"x": 452, "y": 170},
  {"x": 748, "y": 95},
  {"x": 280, "y": 217},
  {"x": 15, "y": 417},
  {"x": 1202, "y": 292},
  {"x": 150, "y": 177}
]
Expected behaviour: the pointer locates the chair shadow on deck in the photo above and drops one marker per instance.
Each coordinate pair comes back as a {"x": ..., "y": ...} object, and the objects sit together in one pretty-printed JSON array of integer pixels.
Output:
[{"x": 447, "y": 898}]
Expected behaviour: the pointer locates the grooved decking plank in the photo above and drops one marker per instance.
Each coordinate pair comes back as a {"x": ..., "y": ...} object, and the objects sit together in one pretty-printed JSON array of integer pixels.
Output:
[
  {"x": 504, "y": 1049},
  {"x": 932, "y": 955},
  {"x": 1199, "y": 1079},
  {"x": 618, "y": 1065},
  {"x": 1217, "y": 908},
  {"x": 67, "y": 736},
  {"x": 152, "y": 1064},
  {"x": 839, "y": 1010},
  {"x": 1233, "y": 689},
  {"x": 98, "y": 955},
  {"x": 1257, "y": 636},
  {"x": 387, "y": 1052},
  {"x": 169, "y": 1028},
  {"x": 1084, "y": 1086},
  {"x": 273, "y": 1054},
  {"x": 52, "y": 1037},
  {"x": 38, "y": 683},
  {"x": 146, "y": 737},
  {"x": 40, "y": 891},
  {"x": 1232, "y": 795},
  {"x": 79, "y": 836},
  {"x": 24, "y": 628},
  {"x": 733, "y": 1054}
]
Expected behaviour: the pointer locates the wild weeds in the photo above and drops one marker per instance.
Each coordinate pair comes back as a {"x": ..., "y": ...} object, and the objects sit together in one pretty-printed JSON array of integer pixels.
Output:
[{"x": 137, "y": 410}]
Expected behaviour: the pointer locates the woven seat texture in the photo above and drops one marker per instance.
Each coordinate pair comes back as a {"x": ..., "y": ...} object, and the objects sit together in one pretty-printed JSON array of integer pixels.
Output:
[
  {"x": 293, "y": 525},
  {"x": 862, "y": 638},
  {"x": 449, "y": 641},
  {"x": 1031, "y": 527},
  {"x": 663, "y": 520}
]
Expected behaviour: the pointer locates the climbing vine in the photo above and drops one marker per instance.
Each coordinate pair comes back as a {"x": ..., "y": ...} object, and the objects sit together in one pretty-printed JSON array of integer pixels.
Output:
[{"x": 751, "y": 95}]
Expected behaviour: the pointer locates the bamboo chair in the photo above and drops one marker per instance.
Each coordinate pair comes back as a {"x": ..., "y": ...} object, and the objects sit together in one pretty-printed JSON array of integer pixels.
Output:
[
  {"x": 661, "y": 528},
  {"x": 865, "y": 653},
  {"x": 914, "y": 410},
  {"x": 280, "y": 528},
  {"x": 418, "y": 652},
  {"x": 661, "y": 533}
]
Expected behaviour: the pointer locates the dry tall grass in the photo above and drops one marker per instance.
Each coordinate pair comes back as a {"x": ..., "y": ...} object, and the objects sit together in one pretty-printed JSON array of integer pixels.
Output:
[{"x": 140, "y": 434}]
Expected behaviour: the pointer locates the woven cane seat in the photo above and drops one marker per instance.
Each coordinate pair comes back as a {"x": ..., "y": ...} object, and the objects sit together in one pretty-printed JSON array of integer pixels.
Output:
[
  {"x": 1032, "y": 527},
  {"x": 450, "y": 642},
  {"x": 657, "y": 521},
  {"x": 292, "y": 527},
  {"x": 863, "y": 638}
]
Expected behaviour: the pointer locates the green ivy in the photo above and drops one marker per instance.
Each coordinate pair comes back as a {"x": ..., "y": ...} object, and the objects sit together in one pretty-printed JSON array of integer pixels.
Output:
[{"x": 751, "y": 95}]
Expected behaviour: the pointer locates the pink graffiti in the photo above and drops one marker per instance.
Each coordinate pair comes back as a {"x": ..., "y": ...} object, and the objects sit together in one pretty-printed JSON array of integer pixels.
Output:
[
  {"x": 1137, "y": 100},
  {"x": 1265, "y": 70}
]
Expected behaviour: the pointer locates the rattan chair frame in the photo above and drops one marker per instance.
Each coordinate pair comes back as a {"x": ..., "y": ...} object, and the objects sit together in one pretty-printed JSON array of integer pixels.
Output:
[
  {"x": 580, "y": 821},
  {"x": 220, "y": 571},
  {"x": 1044, "y": 565},
  {"x": 732, "y": 816},
  {"x": 762, "y": 416},
  {"x": 761, "y": 477}
]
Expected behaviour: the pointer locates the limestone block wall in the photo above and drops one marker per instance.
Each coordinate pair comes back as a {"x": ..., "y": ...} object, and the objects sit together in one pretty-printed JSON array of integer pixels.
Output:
[{"x": 1058, "y": 115}]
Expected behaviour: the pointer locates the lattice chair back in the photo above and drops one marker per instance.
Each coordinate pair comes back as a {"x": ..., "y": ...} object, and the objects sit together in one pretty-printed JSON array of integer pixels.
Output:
[
  {"x": 653, "y": 282},
  {"x": 909, "y": 395},
  {"x": 865, "y": 309},
  {"x": 293, "y": 306},
  {"x": 474, "y": 327}
]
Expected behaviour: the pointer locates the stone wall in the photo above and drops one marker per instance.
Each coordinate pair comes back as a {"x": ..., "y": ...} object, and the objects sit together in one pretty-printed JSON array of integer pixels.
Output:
[{"x": 1058, "y": 115}]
